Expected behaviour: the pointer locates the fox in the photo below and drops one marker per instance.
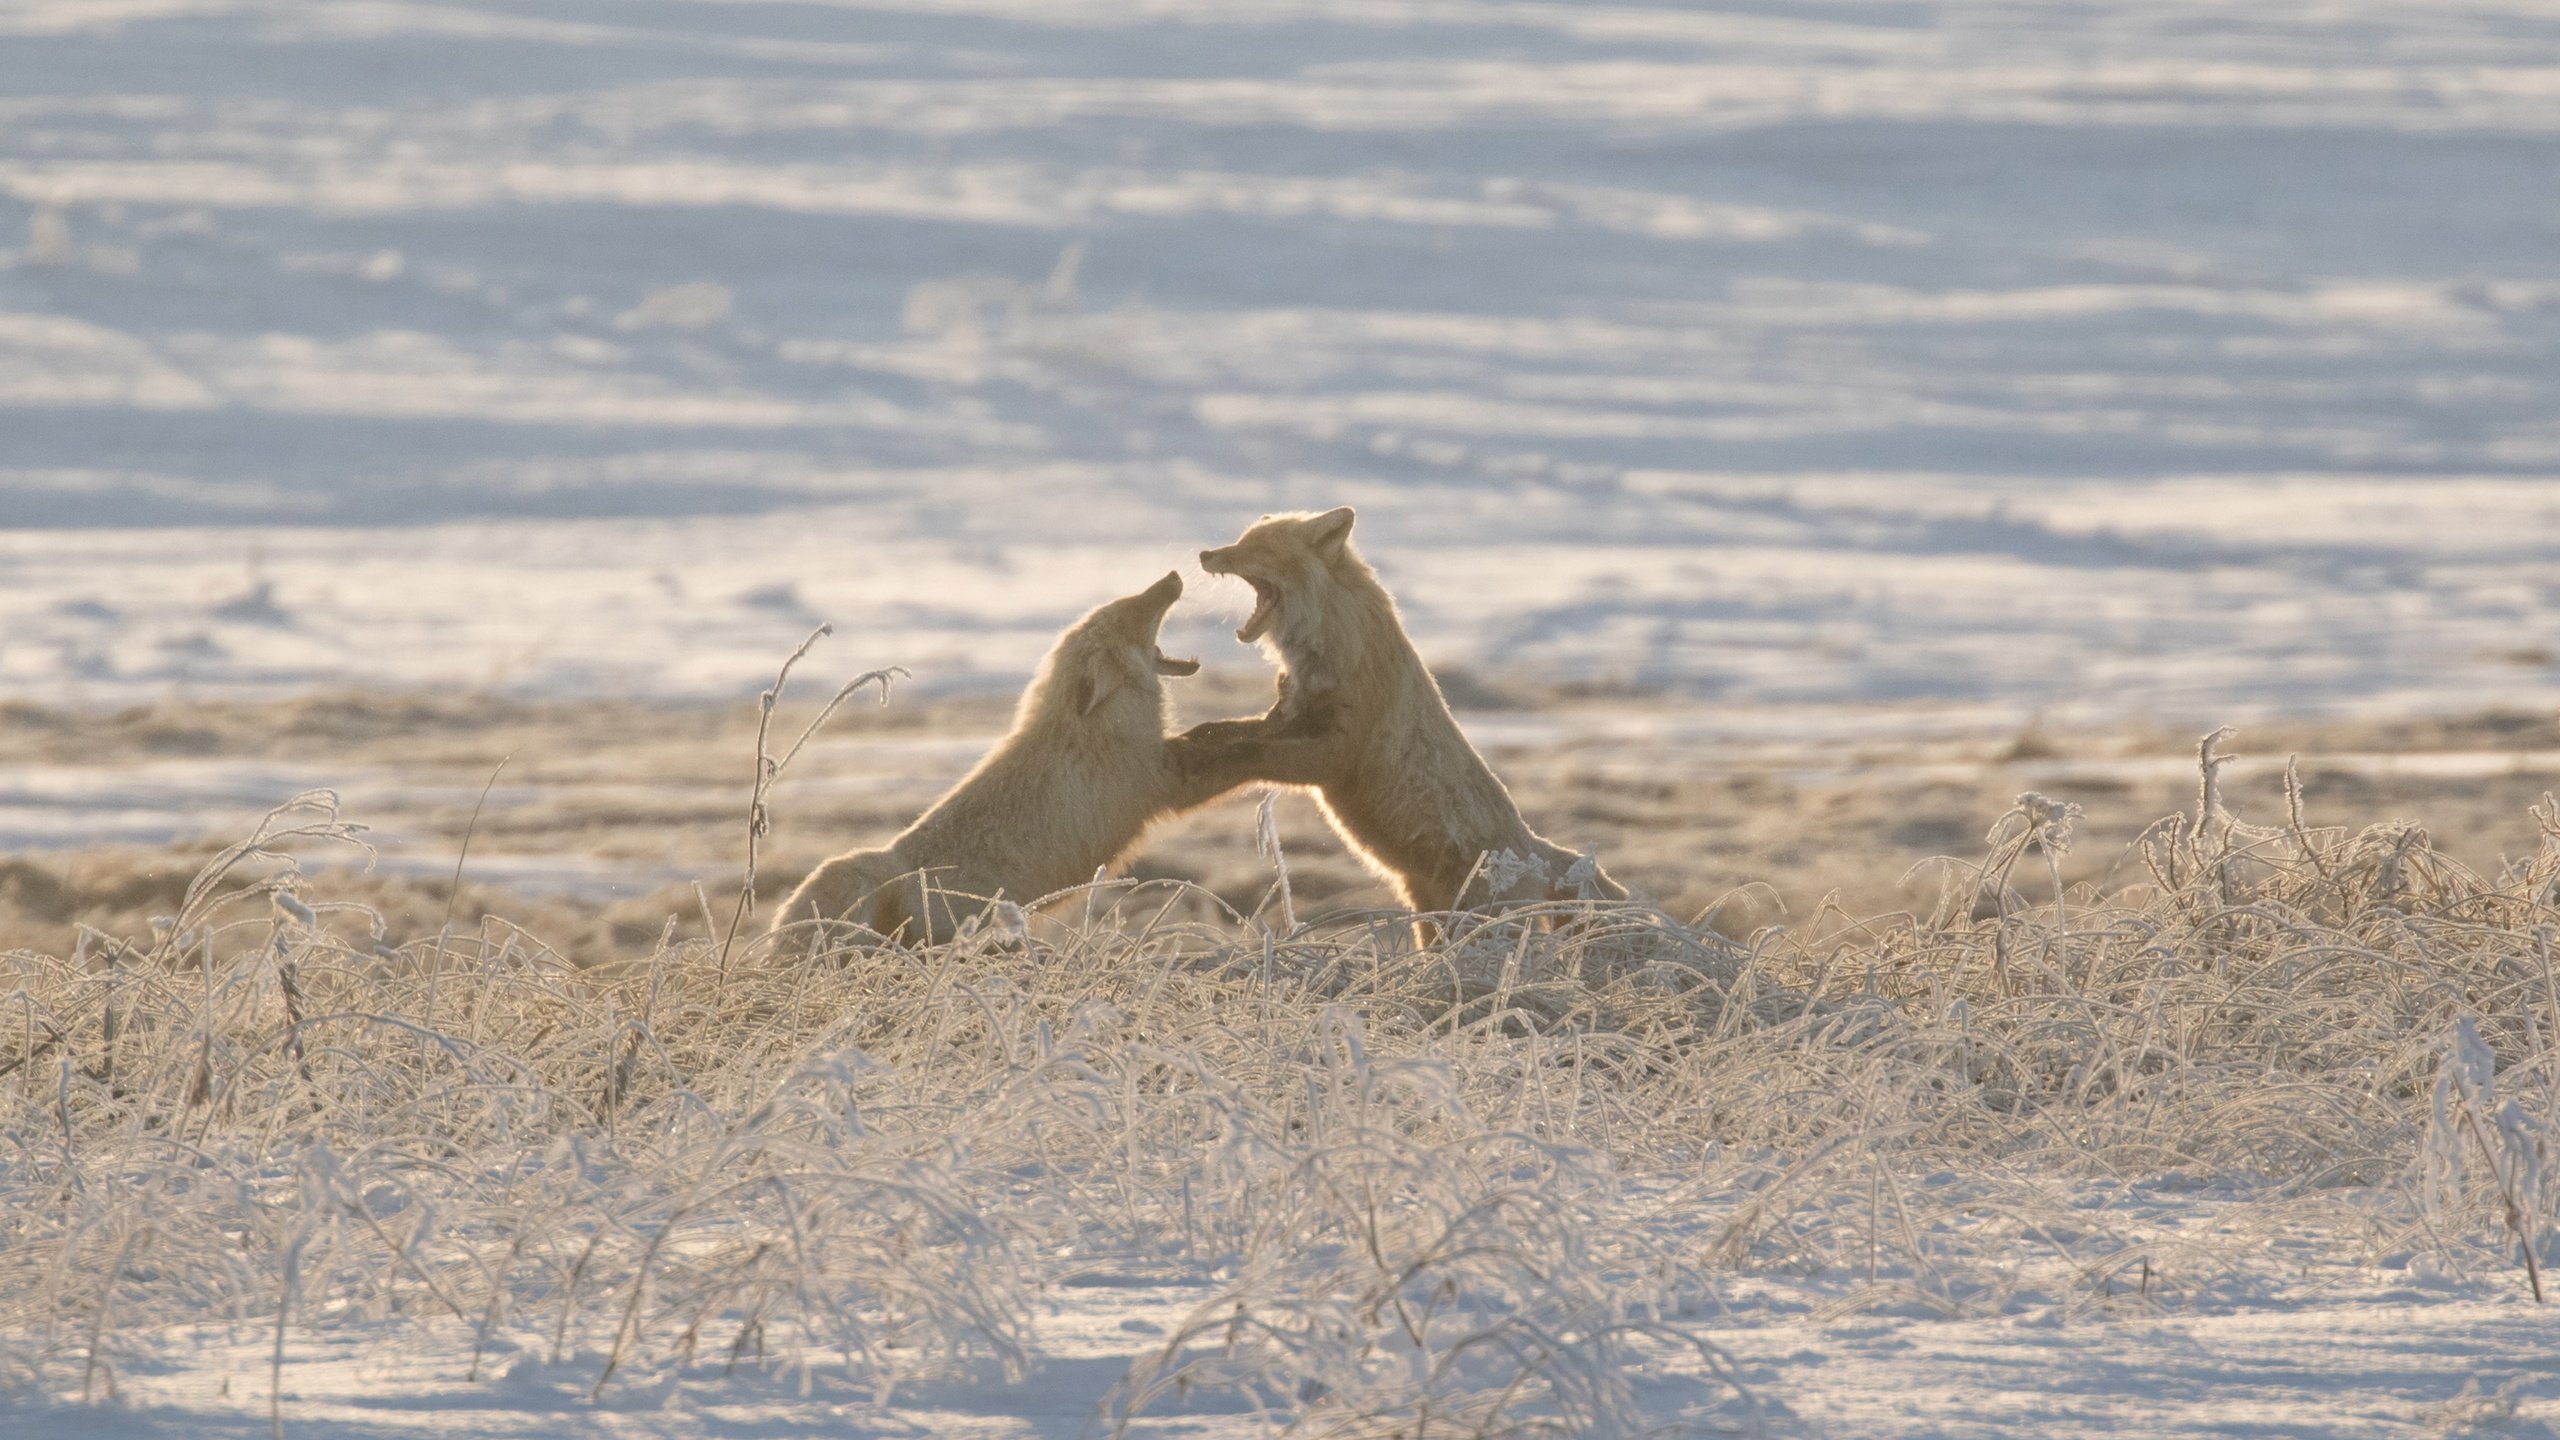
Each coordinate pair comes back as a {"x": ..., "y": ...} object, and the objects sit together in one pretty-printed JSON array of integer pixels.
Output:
[
  {"x": 1360, "y": 721},
  {"x": 1086, "y": 767}
]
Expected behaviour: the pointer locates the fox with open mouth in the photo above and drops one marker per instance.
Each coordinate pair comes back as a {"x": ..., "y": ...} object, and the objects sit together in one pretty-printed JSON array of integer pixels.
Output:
[
  {"x": 1068, "y": 792},
  {"x": 1361, "y": 721}
]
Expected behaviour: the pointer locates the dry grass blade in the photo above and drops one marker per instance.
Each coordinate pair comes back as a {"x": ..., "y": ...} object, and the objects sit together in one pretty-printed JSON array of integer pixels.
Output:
[{"x": 1469, "y": 1183}]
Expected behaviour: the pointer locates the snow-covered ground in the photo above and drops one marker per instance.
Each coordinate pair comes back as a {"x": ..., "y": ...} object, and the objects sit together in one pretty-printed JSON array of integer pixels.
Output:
[
  {"x": 2082, "y": 354},
  {"x": 2093, "y": 357},
  {"x": 2357, "y": 1368}
]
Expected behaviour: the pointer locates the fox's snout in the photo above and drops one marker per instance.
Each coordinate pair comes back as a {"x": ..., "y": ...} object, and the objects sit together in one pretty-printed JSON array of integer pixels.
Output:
[{"x": 1156, "y": 599}]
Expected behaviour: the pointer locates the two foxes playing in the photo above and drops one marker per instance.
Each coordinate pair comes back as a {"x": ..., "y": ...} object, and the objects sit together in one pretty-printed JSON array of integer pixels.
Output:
[{"x": 1088, "y": 766}]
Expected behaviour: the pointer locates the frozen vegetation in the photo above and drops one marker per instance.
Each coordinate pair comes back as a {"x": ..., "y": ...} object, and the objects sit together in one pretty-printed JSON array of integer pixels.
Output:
[
  {"x": 1590, "y": 1179},
  {"x": 1766, "y": 404}
]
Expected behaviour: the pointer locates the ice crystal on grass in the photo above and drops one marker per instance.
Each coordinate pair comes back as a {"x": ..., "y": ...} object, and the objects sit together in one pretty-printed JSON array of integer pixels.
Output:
[{"x": 1478, "y": 1183}]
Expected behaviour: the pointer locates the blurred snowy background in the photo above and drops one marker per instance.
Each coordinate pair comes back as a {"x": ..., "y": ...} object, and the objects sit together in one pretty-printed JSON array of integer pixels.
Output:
[{"x": 2192, "y": 360}]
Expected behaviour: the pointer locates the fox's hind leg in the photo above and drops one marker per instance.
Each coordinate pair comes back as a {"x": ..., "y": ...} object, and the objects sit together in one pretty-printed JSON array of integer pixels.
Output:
[{"x": 857, "y": 887}]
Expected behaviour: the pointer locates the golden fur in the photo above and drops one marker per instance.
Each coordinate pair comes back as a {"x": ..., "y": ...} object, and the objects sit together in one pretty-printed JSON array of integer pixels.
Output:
[
  {"x": 1361, "y": 720},
  {"x": 1068, "y": 791}
]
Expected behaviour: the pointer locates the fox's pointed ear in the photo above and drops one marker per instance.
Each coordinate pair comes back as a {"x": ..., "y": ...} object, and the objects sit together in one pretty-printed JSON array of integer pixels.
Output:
[
  {"x": 1094, "y": 684},
  {"x": 1333, "y": 527}
]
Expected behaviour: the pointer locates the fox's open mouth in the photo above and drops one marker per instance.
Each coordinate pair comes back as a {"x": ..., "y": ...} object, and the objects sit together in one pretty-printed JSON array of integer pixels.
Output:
[
  {"x": 1266, "y": 608},
  {"x": 1168, "y": 665}
]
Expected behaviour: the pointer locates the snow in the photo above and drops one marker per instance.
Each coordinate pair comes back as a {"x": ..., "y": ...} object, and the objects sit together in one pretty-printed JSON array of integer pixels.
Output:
[
  {"x": 1910, "y": 353},
  {"x": 2085, "y": 357},
  {"x": 2349, "y": 1369}
]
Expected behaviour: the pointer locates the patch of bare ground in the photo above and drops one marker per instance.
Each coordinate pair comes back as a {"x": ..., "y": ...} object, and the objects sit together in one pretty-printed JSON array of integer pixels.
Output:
[{"x": 596, "y": 819}]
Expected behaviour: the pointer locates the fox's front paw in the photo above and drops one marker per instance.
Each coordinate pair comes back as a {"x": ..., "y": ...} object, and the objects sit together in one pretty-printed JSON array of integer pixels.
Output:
[
  {"x": 1224, "y": 733},
  {"x": 1313, "y": 720}
]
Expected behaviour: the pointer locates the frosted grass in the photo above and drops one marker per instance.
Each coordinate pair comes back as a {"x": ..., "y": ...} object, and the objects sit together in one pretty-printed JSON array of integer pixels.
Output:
[{"x": 1483, "y": 1188}]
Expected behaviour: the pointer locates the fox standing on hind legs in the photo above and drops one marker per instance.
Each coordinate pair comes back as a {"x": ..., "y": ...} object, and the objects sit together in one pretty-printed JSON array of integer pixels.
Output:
[
  {"x": 1361, "y": 720},
  {"x": 1085, "y": 768}
]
